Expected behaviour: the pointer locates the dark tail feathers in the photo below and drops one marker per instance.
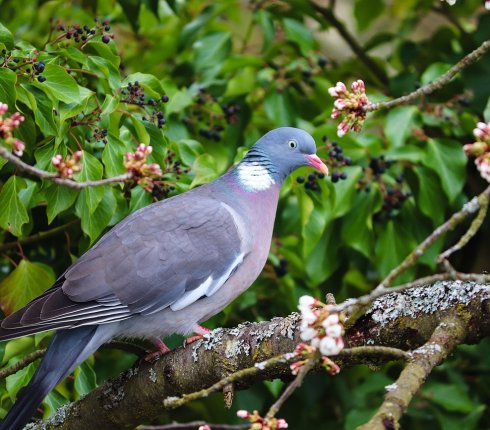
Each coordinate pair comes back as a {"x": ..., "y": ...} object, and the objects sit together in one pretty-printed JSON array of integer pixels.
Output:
[{"x": 66, "y": 350}]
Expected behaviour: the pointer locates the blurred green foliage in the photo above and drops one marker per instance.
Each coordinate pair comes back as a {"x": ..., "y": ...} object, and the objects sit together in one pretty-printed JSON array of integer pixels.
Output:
[{"x": 232, "y": 71}]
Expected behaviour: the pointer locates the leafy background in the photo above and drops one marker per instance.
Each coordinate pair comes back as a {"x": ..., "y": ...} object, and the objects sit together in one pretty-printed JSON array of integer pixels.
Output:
[{"x": 232, "y": 71}]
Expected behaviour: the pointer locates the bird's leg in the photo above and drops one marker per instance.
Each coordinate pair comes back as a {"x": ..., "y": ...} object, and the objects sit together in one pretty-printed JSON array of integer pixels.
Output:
[
  {"x": 200, "y": 331},
  {"x": 161, "y": 349}
]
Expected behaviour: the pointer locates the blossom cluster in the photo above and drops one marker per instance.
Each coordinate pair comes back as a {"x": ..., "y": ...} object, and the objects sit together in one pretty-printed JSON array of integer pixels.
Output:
[
  {"x": 321, "y": 330},
  {"x": 7, "y": 127},
  {"x": 144, "y": 173},
  {"x": 481, "y": 149},
  {"x": 259, "y": 423},
  {"x": 66, "y": 167},
  {"x": 349, "y": 104}
]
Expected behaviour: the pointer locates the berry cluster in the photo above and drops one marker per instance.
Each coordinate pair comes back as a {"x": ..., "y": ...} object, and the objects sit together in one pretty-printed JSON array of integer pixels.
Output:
[
  {"x": 311, "y": 182},
  {"x": 143, "y": 173},
  {"x": 68, "y": 166},
  {"x": 208, "y": 118},
  {"x": 299, "y": 75},
  {"x": 22, "y": 66},
  {"x": 393, "y": 193},
  {"x": 174, "y": 167},
  {"x": 84, "y": 34},
  {"x": 135, "y": 94},
  {"x": 336, "y": 160},
  {"x": 349, "y": 104},
  {"x": 260, "y": 423},
  {"x": 100, "y": 134},
  {"x": 8, "y": 126},
  {"x": 481, "y": 149}
]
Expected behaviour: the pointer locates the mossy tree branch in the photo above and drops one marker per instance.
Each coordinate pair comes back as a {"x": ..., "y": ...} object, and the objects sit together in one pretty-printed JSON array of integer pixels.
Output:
[{"x": 404, "y": 321}]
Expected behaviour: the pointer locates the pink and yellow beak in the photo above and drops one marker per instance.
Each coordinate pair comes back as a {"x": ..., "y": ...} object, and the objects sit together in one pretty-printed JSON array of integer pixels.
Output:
[{"x": 315, "y": 161}]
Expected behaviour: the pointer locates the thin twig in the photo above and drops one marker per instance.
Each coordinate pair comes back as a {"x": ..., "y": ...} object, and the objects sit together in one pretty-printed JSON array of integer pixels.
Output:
[
  {"x": 291, "y": 388},
  {"x": 435, "y": 85},
  {"x": 375, "y": 70},
  {"x": 39, "y": 236},
  {"x": 376, "y": 351},
  {"x": 450, "y": 332},
  {"x": 474, "y": 227},
  {"x": 195, "y": 425},
  {"x": 57, "y": 180},
  {"x": 24, "y": 362},
  {"x": 175, "y": 402},
  {"x": 358, "y": 306}
]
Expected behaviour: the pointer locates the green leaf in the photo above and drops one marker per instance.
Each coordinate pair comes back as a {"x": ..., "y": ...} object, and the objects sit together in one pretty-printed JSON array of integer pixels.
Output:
[
  {"x": 204, "y": 169},
  {"x": 19, "y": 379},
  {"x": 429, "y": 195},
  {"x": 8, "y": 78},
  {"x": 394, "y": 243},
  {"x": 85, "y": 379},
  {"x": 297, "y": 32},
  {"x": 486, "y": 112},
  {"x": 280, "y": 108},
  {"x": 13, "y": 214},
  {"x": 451, "y": 397},
  {"x": 6, "y": 37},
  {"x": 42, "y": 106},
  {"x": 434, "y": 71},
  {"x": 139, "y": 199},
  {"x": 153, "y": 87},
  {"x": 89, "y": 197},
  {"x": 54, "y": 400},
  {"x": 113, "y": 155},
  {"x": 265, "y": 21},
  {"x": 323, "y": 259},
  {"x": 446, "y": 157},
  {"x": 243, "y": 82},
  {"x": 59, "y": 85},
  {"x": 357, "y": 224},
  {"x": 399, "y": 123},
  {"x": 58, "y": 199},
  {"x": 211, "y": 50},
  {"x": 367, "y": 11},
  {"x": 27, "y": 281},
  {"x": 93, "y": 223}
]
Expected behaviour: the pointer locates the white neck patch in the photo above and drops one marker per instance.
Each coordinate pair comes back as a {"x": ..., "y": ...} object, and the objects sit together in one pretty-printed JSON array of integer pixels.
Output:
[{"x": 254, "y": 177}]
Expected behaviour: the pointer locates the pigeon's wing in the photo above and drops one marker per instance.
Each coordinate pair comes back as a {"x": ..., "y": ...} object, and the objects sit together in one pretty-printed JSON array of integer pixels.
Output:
[{"x": 169, "y": 254}]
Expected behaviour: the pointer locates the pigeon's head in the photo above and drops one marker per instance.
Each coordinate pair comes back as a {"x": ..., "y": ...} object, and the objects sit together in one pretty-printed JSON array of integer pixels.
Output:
[{"x": 275, "y": 155}]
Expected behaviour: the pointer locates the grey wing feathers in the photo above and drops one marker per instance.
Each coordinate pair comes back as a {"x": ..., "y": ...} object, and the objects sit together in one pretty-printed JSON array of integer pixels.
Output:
[{"x": 168, "y": 254}]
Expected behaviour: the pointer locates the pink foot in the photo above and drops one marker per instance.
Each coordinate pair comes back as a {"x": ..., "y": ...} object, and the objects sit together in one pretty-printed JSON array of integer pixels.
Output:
[
  {"x": 200, "y": 332},
  {"x": 161, "y": 349}
]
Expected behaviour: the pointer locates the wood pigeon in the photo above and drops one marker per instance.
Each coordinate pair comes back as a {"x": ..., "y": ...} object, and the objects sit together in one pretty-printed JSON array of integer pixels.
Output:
[{"x": 164, "y": 268}]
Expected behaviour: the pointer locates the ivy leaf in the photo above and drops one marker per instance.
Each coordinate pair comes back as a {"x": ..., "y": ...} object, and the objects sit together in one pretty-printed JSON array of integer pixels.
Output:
[
  {"x": 27, "y": 281},
  {"x": 446, "y": 157},
  {"x": 399, "y": 124},
  {"x": 6, "y": 37},
  {"x": 18, "y": 380},
  {"x": 204, "y": 168},
  {"x": 59, "y": 85},
  {"x": 113, "y": 155},
  {"x": 13, "y": 213},
  {"x": 211, "y": 50},
  {"x": 8, "y": 78},
  {"x": 59, "y": 199},
  {"x": 93, "y": 223},
  {"x": 139, "y": 199},
  {"x": 85, "y": 379},
  {"x": 297, "y": 32},
  {"x": 89, "y": 197}
]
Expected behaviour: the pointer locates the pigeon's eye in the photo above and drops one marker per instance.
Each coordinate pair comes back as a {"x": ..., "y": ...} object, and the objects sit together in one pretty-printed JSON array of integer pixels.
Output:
[{"x": 292, "y": 144}]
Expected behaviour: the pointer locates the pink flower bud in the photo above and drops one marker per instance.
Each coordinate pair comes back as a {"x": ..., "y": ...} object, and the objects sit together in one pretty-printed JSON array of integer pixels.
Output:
[
  {"x": 340, "y": 88},
  {"x": 281, "y": 423},
  {"x": 487, "y": 4},
  {"x": 342, "y": 128},
  {"x": 204, "y": 427},
  {"x": 340, "y": 104},
  {"x": 307, "y": 301},
  {"x": 3, "y": 108},
  {"x": 334, "y": 330},
  {"x": 69, "y": 171},
  {"x": 18, "y": 147},
  {"x": 243, "y": 414},
  {"x": 77, "y": 156},
  {"x": 335, "y": 113},
  {"x": 358, "y": 86},
  {"x": 56, "y": 160}
]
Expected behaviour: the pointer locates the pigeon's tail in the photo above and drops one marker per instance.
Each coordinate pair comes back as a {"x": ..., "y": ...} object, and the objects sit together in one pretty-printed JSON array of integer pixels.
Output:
[{"x": 67, "y": 349}]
